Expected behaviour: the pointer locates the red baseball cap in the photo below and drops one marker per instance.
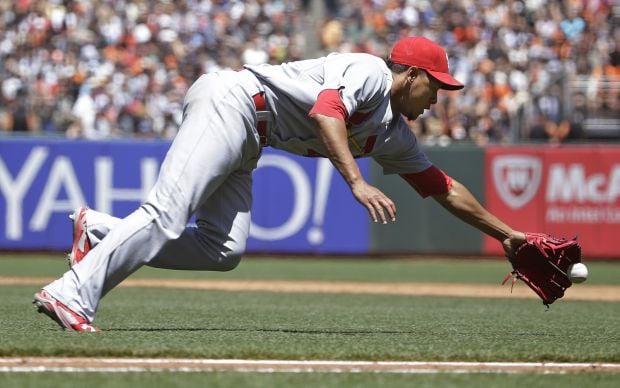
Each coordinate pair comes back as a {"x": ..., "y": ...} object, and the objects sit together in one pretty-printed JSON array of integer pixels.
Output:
[{"x": 424, "y": 53}]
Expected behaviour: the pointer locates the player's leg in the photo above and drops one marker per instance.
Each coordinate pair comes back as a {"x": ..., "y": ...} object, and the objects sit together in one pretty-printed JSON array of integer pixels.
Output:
[
  {"x": 215, "y": 243},
  {"x": 218, "y": 240},
  {"x": 212, "y": 143}
]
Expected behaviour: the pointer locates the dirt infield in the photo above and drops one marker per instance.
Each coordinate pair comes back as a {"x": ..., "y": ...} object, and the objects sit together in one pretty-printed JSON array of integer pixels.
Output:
[
  {"x": 577, "y": 292},
  {"x": 119, "y": 365}
]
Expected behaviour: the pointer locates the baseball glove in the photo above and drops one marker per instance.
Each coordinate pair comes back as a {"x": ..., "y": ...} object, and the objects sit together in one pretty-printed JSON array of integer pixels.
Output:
[{"x": 542, "y": 263}]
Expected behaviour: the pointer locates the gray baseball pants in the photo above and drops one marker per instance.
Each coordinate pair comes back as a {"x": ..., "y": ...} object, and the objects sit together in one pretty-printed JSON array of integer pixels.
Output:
[{"x": 206, "y": 173}]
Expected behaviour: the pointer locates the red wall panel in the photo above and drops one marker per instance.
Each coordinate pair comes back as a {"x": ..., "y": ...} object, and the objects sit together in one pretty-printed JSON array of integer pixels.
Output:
[{"x": 564, "y": 191}]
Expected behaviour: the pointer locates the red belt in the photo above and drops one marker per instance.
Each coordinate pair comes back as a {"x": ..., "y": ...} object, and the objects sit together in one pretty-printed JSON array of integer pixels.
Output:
[{"x": 261, "y": 125}]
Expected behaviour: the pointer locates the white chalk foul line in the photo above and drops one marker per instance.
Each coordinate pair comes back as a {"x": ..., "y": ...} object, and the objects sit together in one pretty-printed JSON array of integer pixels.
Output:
[{"x": 124, "y": 365}]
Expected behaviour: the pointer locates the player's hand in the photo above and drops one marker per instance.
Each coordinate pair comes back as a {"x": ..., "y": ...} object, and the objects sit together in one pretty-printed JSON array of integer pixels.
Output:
[
  {"x": 512, "y": 243},
  {"x": 375, "y": 202}
]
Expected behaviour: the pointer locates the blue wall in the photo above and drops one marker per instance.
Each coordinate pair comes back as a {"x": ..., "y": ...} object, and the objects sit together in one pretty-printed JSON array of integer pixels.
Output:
[{"x": 301, "y": 205}]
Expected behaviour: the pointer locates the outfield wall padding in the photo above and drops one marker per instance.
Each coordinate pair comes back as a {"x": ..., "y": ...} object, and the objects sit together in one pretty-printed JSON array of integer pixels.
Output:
[
  {"x": 423, "y": 226},
  {"x": 302, "y": 206}
]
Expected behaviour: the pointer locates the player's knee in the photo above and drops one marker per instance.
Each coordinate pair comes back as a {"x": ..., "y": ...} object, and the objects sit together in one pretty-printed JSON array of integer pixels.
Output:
[
  {"x": 231, "y": 259},
  {"x": 229, "y": 264}
]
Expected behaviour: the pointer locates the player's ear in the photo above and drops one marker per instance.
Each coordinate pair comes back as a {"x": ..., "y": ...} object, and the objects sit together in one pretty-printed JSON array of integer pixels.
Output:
[{"x": 412, "y": 73}]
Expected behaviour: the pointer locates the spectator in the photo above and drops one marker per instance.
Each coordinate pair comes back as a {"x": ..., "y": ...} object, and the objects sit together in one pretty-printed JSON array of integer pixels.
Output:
[{"x": 145, "y": 53}]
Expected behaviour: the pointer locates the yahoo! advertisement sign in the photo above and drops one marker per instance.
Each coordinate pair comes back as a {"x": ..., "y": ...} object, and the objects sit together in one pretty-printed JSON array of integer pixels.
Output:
[
  {"x": 303, "y": 205},
  {"x": 300, "y": 204}
]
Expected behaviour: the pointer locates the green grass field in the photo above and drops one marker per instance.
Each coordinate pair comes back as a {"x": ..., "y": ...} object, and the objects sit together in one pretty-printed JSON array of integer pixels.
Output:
[{"x": 155, "y": 322}]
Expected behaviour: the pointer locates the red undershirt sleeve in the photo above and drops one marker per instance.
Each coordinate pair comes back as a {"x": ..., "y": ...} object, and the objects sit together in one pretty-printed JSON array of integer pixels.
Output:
[
  {"x": 429, "y": 182},
  {"x": 328, "y": 103}
]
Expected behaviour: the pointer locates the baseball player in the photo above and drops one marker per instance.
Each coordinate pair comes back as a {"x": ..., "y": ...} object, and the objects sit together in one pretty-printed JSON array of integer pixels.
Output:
[{"x": 342, "y": 106}]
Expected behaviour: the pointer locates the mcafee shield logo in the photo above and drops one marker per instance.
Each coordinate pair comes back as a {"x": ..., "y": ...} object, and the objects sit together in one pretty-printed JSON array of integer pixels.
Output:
[{"x": 516, "y": 178}]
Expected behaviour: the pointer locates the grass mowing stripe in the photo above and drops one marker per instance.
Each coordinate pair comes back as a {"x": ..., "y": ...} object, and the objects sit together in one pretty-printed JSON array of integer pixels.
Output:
[
  {"x": 363, "y": 269},
  {"x": 74, "y": 365},
  {"x": 292, "y": 380}
]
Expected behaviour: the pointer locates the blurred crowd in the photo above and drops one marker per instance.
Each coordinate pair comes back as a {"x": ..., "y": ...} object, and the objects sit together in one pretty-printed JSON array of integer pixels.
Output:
[{"x": 533, "y": 69}]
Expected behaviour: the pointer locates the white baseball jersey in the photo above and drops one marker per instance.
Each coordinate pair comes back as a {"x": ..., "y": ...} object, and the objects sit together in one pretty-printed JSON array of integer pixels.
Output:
[{"x": 363, "y": 82}]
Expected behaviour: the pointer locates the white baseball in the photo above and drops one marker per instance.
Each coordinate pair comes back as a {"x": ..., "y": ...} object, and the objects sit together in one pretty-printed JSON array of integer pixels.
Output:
[{"x": 578, "y": 273}]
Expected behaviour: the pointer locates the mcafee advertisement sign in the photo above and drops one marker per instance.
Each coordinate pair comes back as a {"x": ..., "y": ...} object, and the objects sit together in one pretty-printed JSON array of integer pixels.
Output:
[{"x": 564, "y": 191}]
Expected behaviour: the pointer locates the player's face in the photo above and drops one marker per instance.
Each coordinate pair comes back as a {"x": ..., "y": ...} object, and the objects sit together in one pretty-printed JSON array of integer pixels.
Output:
[{"x": 419, "y": 95}]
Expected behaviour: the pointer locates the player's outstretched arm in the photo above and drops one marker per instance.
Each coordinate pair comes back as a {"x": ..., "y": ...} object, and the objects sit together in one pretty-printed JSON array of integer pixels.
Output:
[{"x": 460, "y": 202}]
